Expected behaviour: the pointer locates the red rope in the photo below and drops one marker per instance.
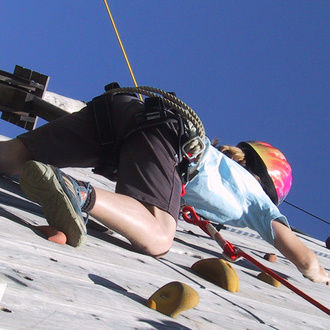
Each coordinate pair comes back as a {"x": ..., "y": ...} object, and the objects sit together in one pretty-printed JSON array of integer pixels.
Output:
[
  {"x": 190, "y": 216},
  {"x": 283, "y": 281}
]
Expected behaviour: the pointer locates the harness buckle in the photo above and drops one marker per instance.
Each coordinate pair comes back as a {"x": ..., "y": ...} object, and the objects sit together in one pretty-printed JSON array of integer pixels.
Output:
[
  {"x": 154, "y": 113},
  {"x": 192, "y": 156}
]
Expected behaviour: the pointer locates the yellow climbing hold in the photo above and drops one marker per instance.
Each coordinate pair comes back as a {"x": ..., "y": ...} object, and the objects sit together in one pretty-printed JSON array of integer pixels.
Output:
[
  {"x": 269, "y": 279},
  {"x": 173, "y": 298},
  {"x": 219, "y": 272}
]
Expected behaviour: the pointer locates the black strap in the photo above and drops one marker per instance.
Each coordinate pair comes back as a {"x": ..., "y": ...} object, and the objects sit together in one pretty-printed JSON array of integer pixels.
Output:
[
  {"x": 101, "y": 106},
  {"x": 156, "y": 113}
]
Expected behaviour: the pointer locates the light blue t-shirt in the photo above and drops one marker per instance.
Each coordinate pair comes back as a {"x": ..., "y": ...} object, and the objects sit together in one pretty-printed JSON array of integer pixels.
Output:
[{"x": 224, "y": 192}]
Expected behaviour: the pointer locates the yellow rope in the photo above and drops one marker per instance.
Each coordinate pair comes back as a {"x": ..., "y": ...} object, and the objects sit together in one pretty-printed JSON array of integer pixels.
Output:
[
  {"x": 121, "y": 45},
  {"x": 194, "y": 147}
]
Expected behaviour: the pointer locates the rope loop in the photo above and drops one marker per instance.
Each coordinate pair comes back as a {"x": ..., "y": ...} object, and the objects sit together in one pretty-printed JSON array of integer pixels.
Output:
[{"x": 195, "y": 124}]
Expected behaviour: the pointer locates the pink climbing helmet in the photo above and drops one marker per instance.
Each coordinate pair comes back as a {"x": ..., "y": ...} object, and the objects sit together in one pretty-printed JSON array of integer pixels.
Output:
[{"x": 271, "y": 166}]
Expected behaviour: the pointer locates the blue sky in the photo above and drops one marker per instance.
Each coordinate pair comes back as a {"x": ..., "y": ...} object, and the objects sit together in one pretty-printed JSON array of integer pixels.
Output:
[{"x": 252, "y": 70}]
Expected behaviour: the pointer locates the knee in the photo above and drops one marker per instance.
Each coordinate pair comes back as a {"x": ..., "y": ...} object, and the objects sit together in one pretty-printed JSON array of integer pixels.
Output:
[
  {"x": 13, "y": 155},
  {"x": 157, "y": 253},
  {"x": 156, "y": 236},
  {"x": 156, "y": 248}
]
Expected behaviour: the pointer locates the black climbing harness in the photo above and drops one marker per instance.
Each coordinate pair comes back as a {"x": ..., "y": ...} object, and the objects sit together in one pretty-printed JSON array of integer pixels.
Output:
[{"x": 158, "y": 110}]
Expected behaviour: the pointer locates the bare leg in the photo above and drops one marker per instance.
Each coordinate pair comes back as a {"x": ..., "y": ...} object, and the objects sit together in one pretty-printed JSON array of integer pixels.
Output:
[
  {"x": 13, "y": 155},
  {"x": 294, "y": 249},
  {"x": 148, "y": 228}
]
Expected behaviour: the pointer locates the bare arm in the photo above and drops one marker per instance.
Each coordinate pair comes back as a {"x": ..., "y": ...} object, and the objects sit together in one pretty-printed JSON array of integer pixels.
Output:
[{"x": 294, "y": 249}]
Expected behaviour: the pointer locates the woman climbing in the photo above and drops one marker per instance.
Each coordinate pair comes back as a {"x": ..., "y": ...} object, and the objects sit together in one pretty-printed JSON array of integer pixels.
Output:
[
  {"x": 242, "y": 186},
  {"x": 146, "y": 204}
]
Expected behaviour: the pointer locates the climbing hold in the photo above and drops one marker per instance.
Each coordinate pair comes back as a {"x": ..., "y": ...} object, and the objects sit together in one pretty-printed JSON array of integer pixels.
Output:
[
  {"x": 52, "y": 234},
  {"x": 269, "y": 279},
  {"x": 173, "y": 298},
  {"x": 271, "y": 257},
  {"x": 219, "y": 272}
]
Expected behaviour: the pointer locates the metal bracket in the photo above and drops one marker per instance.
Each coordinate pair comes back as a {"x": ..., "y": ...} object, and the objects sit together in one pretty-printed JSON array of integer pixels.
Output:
[
  {"x": 187, "y": 154},
  {"x": 17, "y": 91}
]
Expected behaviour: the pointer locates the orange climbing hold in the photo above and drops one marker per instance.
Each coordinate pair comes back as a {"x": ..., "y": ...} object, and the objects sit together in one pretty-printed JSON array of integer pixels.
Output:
[
  {"x": 271, "y": 257},
  {"x": 52, "y": 234}
]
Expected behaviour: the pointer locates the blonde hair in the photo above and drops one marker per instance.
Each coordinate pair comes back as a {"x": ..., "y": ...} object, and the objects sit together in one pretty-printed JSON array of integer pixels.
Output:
[
  {"x": 232, "y": 152},
  {"x": 235, "y": 154}
]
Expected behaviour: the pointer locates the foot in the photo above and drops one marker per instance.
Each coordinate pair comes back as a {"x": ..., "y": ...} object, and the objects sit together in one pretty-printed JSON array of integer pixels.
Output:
[{"x": 60, "y": 197}]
